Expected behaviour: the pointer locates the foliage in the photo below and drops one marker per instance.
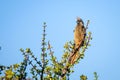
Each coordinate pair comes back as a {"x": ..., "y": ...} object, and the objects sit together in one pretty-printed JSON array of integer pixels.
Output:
[
  {"x": 95, "y": 76},
  {"x": 46, "y": 68}
]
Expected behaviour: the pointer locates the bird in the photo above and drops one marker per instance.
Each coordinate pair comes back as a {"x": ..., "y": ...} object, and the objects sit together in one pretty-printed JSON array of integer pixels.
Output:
[{"x": 79, "y": 38}]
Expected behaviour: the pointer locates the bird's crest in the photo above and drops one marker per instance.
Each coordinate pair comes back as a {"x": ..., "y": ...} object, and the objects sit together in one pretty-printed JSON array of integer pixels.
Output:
[{"x": 79, "y": 20}]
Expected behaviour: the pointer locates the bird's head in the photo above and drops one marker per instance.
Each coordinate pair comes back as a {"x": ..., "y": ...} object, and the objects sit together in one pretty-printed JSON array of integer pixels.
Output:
[{"x": 80, "y": 21}]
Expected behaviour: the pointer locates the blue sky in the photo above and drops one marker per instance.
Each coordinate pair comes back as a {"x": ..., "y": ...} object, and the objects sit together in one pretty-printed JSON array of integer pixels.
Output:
[{"x": 21, "y": 27}]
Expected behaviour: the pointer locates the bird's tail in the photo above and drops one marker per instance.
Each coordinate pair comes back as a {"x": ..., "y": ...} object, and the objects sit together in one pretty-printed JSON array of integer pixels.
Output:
[
  {"x": 75, "y": 55},
  {"x": 74, "y": 58}
]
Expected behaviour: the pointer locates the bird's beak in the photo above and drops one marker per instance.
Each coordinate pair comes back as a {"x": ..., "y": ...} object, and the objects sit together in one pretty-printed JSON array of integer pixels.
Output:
[{"x": 81, "y": 23}]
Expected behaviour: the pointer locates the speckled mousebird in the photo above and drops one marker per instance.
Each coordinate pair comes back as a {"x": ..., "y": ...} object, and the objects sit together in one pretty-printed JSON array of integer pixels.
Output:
[{"x": 79, "y": 37}]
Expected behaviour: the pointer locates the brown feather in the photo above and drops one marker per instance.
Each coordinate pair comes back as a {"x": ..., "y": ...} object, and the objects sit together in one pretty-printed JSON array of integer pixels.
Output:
[{"x": 79, "y": 36}]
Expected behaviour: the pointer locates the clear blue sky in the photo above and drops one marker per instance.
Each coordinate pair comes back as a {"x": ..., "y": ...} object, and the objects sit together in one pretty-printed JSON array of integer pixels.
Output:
[{"x": 21, "y": 27}]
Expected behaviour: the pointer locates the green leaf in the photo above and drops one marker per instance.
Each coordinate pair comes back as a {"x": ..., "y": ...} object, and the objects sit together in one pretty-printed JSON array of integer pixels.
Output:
[
  {"x": 27, "y": 50},
  {"x": 22, "y": 50},
  {"x": 83, "y": 77}
]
